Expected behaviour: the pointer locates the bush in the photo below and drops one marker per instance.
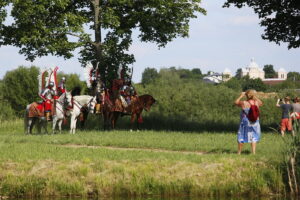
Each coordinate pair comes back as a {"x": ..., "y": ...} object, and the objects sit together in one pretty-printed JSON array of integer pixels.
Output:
[
  {"x": 192, "y": 105},
  {"x": 20, "y": 87}
]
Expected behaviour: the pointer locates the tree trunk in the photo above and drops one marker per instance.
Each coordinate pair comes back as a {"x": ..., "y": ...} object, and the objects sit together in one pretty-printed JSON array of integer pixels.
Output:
[{"x": 97, "y": 26}]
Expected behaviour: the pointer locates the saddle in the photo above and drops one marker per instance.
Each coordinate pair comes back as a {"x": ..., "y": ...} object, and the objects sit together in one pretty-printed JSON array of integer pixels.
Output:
[{"x": 36, "y": 110}]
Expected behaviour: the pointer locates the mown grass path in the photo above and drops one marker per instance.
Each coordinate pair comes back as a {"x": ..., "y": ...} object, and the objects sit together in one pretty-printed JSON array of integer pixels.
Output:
[{"x": 146, "y": 163}]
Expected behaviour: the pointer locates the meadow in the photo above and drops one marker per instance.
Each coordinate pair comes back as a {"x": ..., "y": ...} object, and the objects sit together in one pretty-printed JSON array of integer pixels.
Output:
[{"x": 120, "y": 163}]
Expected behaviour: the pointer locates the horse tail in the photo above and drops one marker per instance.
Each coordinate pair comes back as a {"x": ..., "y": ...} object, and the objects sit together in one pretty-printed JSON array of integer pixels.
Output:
[{"x": 140, "y": 119}]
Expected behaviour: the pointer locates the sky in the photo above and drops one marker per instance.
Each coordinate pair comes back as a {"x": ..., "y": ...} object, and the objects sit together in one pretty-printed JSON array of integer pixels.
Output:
[{"x": 224, "y": 38}]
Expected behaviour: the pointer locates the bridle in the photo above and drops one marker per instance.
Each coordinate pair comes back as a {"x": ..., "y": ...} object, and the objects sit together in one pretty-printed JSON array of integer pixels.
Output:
[
  {"x": 63, "y": 104},
  {"x": 79, "y": 106}
]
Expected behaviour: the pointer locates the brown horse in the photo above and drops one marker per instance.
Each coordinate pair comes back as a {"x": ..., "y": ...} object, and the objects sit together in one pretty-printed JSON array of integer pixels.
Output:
[{"x": 135, "y": 109}]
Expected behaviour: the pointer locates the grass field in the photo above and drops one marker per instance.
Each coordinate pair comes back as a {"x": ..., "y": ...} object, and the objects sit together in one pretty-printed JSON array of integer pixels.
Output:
[{"x": 137, "y": 164}]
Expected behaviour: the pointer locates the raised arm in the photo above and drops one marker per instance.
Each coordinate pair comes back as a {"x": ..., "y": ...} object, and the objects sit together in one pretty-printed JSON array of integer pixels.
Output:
[
  {"x": 238, "y": 101},
  {"x": 277, "y": 104}
]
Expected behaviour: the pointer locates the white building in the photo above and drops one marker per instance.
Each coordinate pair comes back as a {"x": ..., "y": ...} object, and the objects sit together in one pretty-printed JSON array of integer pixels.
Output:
[
  {"x": 253, "y": 71},
  {"x": 214, "y": 78},
  {"x": 227, "y": 75}
]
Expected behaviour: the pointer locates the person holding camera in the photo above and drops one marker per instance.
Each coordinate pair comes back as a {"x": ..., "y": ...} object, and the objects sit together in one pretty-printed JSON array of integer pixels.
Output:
[
  {"x": 296, "y": 113},
  {"x": 286, "y": 121}
]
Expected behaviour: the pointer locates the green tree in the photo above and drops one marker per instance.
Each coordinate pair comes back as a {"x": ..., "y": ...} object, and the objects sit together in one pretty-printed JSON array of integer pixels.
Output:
[
  {"x": 197, "y": 71},
  {"x": 72, "y": 81},
  {"x": 269, "y": 71},
  {"x": 293, "y": 76},
  {"x": 234, "y": 83},
  {"x": 280, "y": 19},
  {"x": 256, "y": 84},
  {"x": 58, "y": 27},
  {"x": 238, "y": 73},
  {"x": 20, "y": 87},
  {"x": 7, "y": 112},
  {"x": 149, "y": 75}
]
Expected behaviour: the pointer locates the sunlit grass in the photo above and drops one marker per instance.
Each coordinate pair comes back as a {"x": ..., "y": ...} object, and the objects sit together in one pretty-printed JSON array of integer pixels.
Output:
[{"x": 61, "y": 169}]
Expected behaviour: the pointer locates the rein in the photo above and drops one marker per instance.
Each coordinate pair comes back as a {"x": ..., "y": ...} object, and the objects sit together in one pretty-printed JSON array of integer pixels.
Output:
[{"x": 78, "y": 105}]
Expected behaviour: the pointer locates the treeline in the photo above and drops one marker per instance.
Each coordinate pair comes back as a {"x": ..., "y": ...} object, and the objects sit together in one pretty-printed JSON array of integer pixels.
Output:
[
  {"x": 19, "y": 87},
  {"x": 190, "y": 104},
  {"x": 245, "y": 83},
  {"x": 184, "y": 101}
]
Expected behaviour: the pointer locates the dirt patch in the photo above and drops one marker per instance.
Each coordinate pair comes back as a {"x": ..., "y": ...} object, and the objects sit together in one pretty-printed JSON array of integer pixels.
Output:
[
  {"x": 267, "y": 95},
  {"x": 132, "y": 149}
]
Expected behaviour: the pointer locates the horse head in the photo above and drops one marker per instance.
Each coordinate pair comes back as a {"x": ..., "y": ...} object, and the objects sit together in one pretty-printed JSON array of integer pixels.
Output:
[
  {"x": 92, "y": 103},
  {"x": 147, "y": 101},
  {"x": 68, "y": 99}
]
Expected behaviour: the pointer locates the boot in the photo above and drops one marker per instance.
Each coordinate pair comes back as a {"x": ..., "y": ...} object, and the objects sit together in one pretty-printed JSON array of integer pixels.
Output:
[
  {"x": 48, "y": 116},
  {"x": 98, "y": 108}
]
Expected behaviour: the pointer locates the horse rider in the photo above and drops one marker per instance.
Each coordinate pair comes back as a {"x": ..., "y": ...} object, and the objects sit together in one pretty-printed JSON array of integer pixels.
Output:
[
  {"x": 48, "y": 96},
  {"x": 61, "y": 87},
  {"x": 127, "y": 92}
]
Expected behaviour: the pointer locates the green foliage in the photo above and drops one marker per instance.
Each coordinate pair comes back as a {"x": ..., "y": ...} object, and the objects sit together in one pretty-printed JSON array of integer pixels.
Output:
[
  {"x": 149, "y": 75},
  {"x": 234, "y": 83},
  {"x": 72, "y": 81},
  {"x": 293, "y": 76},
  {"x": 256, "y": 84},
  {"x": 245, "y": 83},
  {"x": 278, "y": 17},
  {"x": 7, "y": 113},
  {"x": 286, "y": 85},
  {"x": 269, "y": 71},
  {"x": 191, "y": 105},
  {"x": 57, "y": 27},
  {"x": 238, "y": 73},
  {"x": 20, "y": 87}
]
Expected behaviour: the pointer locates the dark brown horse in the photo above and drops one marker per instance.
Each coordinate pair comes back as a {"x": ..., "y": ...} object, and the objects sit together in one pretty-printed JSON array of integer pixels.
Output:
[{"x": 135, "y": 109}]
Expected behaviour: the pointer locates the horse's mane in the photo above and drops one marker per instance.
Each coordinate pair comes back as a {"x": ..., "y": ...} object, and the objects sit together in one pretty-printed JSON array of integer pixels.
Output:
[
  {"x": 83, "y": 99},
  {"x": 76, "y": 91},
  {"x": 61, "y": 97}
]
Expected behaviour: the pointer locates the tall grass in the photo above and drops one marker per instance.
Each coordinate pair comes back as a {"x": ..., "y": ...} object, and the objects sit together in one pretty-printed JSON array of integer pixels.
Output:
[{"x": 292, "y": 160}]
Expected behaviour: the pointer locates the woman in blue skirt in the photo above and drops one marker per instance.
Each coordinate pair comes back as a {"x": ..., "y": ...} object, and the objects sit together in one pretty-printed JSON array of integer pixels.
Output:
[{"x": 249, "y": 132}]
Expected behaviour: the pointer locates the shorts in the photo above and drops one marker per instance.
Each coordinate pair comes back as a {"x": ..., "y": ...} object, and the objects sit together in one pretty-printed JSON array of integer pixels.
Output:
[{"x": 286, "y": 124}]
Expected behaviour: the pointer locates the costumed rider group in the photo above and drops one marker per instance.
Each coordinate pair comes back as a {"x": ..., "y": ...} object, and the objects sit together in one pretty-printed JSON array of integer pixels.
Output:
[
  {"x": 49, "y": 90},
  {"x": 121, "y": 93}
]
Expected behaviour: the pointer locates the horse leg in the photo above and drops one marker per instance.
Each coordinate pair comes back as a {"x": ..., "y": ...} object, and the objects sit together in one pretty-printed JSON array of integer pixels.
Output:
[
  {"x": 44, "y": 124},
  {"x": 54, "y": 124},
  {"x": 29, "y": 126},
  {"x": 36, "y": 121},
  {"x": 105, "y": 121},
  {"x": 138, "y": 122},
  {"x": 114, "y": 119},
  {"x": 59, "y": 124},
  {"x": 73, "y": 124},
  {"x": 133, "y": 115}
]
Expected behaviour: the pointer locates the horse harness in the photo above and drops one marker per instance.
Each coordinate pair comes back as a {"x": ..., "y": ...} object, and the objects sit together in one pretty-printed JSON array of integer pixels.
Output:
[{"x": 79, "y": 106}]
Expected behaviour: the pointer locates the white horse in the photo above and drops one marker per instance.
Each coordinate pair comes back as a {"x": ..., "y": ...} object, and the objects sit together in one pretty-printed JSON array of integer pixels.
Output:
[
  {"x": 78, "y": 103},
  {"x": 64, "y": 101}
]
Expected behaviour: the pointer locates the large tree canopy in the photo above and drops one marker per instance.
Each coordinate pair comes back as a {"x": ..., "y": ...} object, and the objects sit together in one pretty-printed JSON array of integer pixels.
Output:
[
  {"x": 281, "y": 19},
  {"x": 101, "y": 28}
]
